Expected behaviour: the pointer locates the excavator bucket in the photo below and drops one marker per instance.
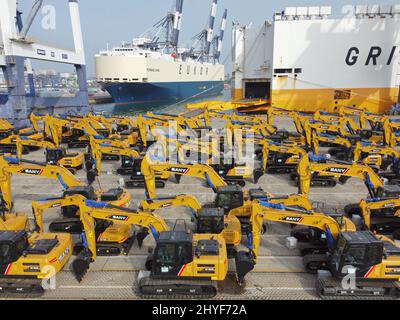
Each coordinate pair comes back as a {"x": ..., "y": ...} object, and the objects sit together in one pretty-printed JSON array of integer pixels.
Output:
[
  {"x": 91, "y": 176},
  {"x": 80, "y": 265},
  {"x": 141, "y": 235},
  {"x": 257, "y": 174},
  {"x": 244, "y": 264}
]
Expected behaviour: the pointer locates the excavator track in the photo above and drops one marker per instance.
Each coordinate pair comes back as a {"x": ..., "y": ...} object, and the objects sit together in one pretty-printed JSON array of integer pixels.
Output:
[
  {"x": 281, "y": 169},
  {"x": 109, "y": 249},
  {"x": 21, "y": 287},
  {"x": 139, "y": 184},
  {"x": 323, "y": 182},
  {"x": 125, "y": 171},
  {"x": 371, "y": 289},
  {"x": 150, "y": 288}
]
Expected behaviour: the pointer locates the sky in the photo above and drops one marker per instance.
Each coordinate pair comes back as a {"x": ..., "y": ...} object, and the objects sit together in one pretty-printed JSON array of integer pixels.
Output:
[{"x": 110, "y": 22}]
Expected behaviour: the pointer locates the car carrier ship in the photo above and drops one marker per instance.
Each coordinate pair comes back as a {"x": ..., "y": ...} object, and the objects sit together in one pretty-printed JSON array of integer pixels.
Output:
[
  {"x": 309, "y": 58},
  {"x": 150, "y": 71}
]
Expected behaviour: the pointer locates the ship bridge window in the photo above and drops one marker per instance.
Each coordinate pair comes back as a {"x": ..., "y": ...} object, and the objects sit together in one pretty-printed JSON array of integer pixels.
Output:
[
  {"x": 201, "y": 71},
  {"x": 188, "y": 69},
  {"x": 206, "y": 71},
  {"x": 298, "y": 70},
  {"x": 180, "y": 69},
  {"x": 283, "y": 71}
]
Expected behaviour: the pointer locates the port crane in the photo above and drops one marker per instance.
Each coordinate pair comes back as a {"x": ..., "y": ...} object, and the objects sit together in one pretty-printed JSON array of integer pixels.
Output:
[{"x": 17, "y": 49}]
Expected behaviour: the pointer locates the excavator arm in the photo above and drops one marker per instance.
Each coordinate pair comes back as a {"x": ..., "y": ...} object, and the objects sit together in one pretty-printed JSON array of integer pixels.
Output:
[
  {"x": 281, "y": 148},
  {"x": 266, "y": 211},
  {"x": 312, "y": 163},
  {"x": 167, "y": 202},
  {"x": 10, "y": 166},
  {"x": 202, "y": 171},
  {"x": 367, "y": 205},
  {"x": 372, "y": 149},
  {"x": 100, "y": 148},
  {"x": 91, "y": 210}
]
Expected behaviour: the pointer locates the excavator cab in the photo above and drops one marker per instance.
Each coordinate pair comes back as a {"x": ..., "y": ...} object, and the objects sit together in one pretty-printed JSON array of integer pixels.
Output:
[
  {"x": 357, "y": 250},
  {"x": 173, "y": 251},
  {"x": 229, "y": 198},
  {"x": 12, "y": 246},
  {"x": 86, "y": 191},
  {"x": 210, "y": 220},
  {"x": 53, "y": 156},
  {"x": 388, "y": 191}
]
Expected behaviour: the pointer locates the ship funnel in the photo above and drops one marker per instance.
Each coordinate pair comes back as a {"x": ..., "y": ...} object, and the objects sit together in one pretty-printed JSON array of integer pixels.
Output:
[
  {"x": 177, "y": 23},
  {"x": 210, "y": 30},
  {"x": 220, "y": 38}
]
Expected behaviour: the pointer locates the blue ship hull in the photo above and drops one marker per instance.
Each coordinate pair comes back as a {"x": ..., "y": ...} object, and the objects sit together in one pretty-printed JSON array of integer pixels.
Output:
[
  {"x": 3, "y": 98},
  {"x": 150, "y": 94}
]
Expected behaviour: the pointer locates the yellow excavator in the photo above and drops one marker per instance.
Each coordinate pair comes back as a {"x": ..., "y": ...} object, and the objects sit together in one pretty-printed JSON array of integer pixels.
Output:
[
  {"x": 277, "y": 158},
  {"x": 314, "y": 239},
  {"x": 350, "y": 111},
  {"x": 28, "y": 259},
  {"x": 372, "y": 260},
  {"x": 189, "y": 265},
  {"x": 11, "y": 166},
  {"x": 378, "y": 156},
  {"x": 391, "y": 131},
  {"x": 55, "y": 155},
  {"x": 314, "y": 169},
  {"x": 378, "y": 215},
  {"x": 232, "y": 199},
  {"x": 97, "y": 152},
  {"x": 103, "y": 227},
  {"x": 374, "y": 120}
]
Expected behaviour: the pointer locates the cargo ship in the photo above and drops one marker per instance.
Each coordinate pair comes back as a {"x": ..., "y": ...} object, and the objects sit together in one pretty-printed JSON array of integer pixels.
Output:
[
  {"x": 310, "y": 58},
  {"x": 148, "y": 71}
]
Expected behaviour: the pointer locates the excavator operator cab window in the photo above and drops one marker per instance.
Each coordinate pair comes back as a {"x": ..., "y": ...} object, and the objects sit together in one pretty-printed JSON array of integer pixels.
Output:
[
  {"x": 76, "y": 133},
  {"x": 86, "y": 191},
  {"x": 126, "y": 162},
  {"x": 4, "y": 134},
  {"x": 173, "y": 251},
  {"x": 122, "y": 127},
  {"x": 54, "y": 155},
  {"x": 12, "y": 245},
  {"x": 210, "y": 220},
  {"x": 389, "y": 191},
  {"x": 358, "y": 251},
  {"x": 229, "y": 198}
]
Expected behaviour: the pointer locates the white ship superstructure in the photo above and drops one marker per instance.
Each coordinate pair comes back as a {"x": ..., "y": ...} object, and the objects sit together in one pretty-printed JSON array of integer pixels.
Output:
[{"x": 147, "y": 71}]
